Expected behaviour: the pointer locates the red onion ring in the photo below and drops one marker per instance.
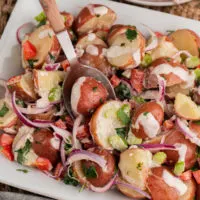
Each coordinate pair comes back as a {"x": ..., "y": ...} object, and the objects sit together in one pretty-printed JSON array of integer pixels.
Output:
[
  {"x": 162, "y": 86},
  {"x": 23, "y": 30},
  {"x": 145, "y": 194},
  {"x": 104, "y": 188},
  {"x": 33, "y": 110},
  {"x": 62, "y": 152},
  {"x": 52, "y": 66},
  {"x": 78, "y": 155},
  {"x": 75, "y": 142},
  {"x": 189, "y": 134},
  {"x": 25, "y": 120},
  {"x": 157, "y": 147},
  {"x": 181, "y": 52}
]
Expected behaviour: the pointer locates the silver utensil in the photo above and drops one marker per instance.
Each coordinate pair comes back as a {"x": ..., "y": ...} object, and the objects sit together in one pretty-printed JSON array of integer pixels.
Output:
[{"x": 76, "y": 69}]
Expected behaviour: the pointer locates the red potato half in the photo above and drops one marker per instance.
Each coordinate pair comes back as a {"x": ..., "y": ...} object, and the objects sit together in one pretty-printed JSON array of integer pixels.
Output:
[
  {"x": 46, "y": 44},
  {"x": 151, "y": 107},
  {"x": 87, "y": 94},
  {"x": 10, "y": 118},
  {"x": 104, "y": 122},
  {"x": 24, "y": 87},
  {"x": 94, "y": 17},
  {"x": 185, "y": 39},
  {"x": 174, "y": 137},
  {"x": 124, "y": 52},
  {"x": 159, "y": 189}
]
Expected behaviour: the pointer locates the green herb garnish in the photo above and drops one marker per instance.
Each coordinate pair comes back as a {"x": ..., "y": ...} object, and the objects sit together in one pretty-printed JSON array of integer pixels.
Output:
[
  {"x": 122, "y": 92},
  {"x": 94, "y": 89},
  {"x": 53, "y": 58},
  {"x": 69, "y": 178},
  {"x": 90, "y": 172},
  {"x": 20, "y": 103},
  {"x": 23, "y": 152},
  {"x": 123, "y": 114},
  {"x": 31, "y": 62},
  {"x": 145, "y": 113},
  {"x": 139, "y": 166},
  {"x": 131, "y": 34},
  {"x": 42, "y": 23},
  {"x": 25, "y": 171},
  {"x": 4, "y": 110},
  {"x": 40, "y": 17}
]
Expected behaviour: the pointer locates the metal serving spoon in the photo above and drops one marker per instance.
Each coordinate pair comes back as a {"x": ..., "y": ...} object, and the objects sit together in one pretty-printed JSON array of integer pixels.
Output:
[{"x": 76, "y": 69}]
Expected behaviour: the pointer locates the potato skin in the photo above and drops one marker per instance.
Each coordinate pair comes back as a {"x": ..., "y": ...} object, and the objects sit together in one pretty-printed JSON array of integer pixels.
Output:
[
  {"x": 175, "y": 136},
  {"x": 42, "y": 145},
  {"x": 91, "y": 98},
  {"x": 103, "y": 176},
  {"x": 155, "y": 109}
]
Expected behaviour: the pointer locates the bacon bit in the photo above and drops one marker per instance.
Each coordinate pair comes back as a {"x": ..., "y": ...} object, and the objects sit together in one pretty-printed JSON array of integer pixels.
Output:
[
  {"x": 186, "y": 175},
  {"x": 69, "y": 122},
  {"x": 7, "y": 152},
  {"x": 43, "y": 164},
  {"x": 168, "y": 125},
  {"x": 137, "y": 77},
  {"x": 60, "y": 124},
  {"x": 65, "y": 64},
  {"x": 6, "y": 140},
  {"x": 196, "y": 175},
  {"x": 83, "y": 132},
  {"x": 29, "y": 50},
  {"x": 57, "y": 170},
  {"x": 159, "y": 34},
  {"x": 115, "y": 81}
]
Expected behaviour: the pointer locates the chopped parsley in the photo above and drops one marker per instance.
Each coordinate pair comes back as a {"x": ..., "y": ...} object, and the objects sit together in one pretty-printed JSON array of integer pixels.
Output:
[
  {"x": 196, "y": 122},
  {"x": 25, "y": 171},
  {"x": 23, "y": 152},
  {"x": 4, "y": 110},
  {"x": 101, "y": 100},
  {"x": 20, "y": 103},
  {"x": 68, "y": 147},
  {"x": 198, "y": 152},
  {"x": 139, "y": 166},
  {"x": 123, "y": 114},
  {"x": 31, "y": 62},
  {"x": 43, "y": 22},
  {"x": 69, "y": 178},
  {"x": 94, "y": 89},
  {"x": 52, "y": 58},
  {"x": 122, "y": 92},
  {"x": 122, "y": 133},
  {"x": 145, "y": 113},
  {"x": 131, "y": 34},
  {"x": 90, "y": 172}
]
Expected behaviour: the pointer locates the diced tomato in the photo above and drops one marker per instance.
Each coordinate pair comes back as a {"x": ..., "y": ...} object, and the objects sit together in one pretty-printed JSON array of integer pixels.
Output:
[
  {"x": 65, "y": 64},
  {"x": 186, "y": 175},
  {"x": 69, "y": 122},
  {"x": 60, "y": 124},
  {"x": 137, "y": 77},
  {"x": 115, "y": 81},
  {"x": 7, "y": 152},
  {"x": 57, "y": 170},
  {"x": 43, "y": 164},
  {"x": 29, "y": 50},
  {"x": 168, "y": 124},
  {"x": 6, "y": 139},
  {"x": 83, "y": 132},
  {"x": 196, "y": 175},
  {"x": 159, "y": 34}
]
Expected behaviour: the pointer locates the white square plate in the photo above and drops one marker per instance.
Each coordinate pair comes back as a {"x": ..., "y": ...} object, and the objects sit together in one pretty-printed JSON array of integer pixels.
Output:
[{"x": 10, "y": 65}]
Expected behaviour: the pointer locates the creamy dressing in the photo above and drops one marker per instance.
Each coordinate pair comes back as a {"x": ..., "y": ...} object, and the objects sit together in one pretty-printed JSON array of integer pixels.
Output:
[
  {"x": 46, "y": 33},
  {"x": 76, "y": 94},
  {"x": 92, "y": 50},
  {"x": 100, "y": 10},
  {"x": 150, "y": 125},
  {"x": 174, "y": 182},
  {"x": 182, "y": 150},
  {"x": 115, "y": 51},
  {"x": 91, "y": 37}
]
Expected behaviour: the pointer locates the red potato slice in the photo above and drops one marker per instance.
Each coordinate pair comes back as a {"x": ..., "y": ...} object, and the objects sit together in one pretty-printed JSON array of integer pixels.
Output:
[
  {"x": 104, "y": 122},
  {"x": 46, "y": 44},
  {"x": 94, "y": 17},
  {"x": 24, "y": 87},
  {"x": 185, "y": 39},
  {"x": 10, "y": 118},
  {"x": 190, "y": 194}
]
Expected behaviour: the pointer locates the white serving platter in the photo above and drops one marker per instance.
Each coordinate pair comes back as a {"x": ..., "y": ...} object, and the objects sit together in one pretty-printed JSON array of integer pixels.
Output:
[
  {"x": 159, "y": 3},
  {"x": 10, "y": 65}
]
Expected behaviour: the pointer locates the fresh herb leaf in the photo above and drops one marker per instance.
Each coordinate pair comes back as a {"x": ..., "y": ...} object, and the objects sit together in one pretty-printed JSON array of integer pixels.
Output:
[
  {"x": 94, "y": 89},
  {"x": 139, "y": 166},
  {"x": 31, "y": 63},
  {"x": 40, "y": 17},
  {"x": 145, "y": 113},
  {"x": 68, "y": 147},
  {"x": 43, "y": 22},
  {"x": 198, "y": 152},
  {"x": 131, "y": 34},
  {"x": 122, "y": 92},
  {"x": 9, "y": 86},
  {"x": 69, "y": 178},
  {"x": 196, "y": 122},
  {"x": 90, "y": 172},
  {"x": 23, "y": 152},
  {"x": 4, "y": 110},
  {"x": 138, "y": 99},
  {"x": 53, "y": 58},
  {"x": 20, "y": 103},
  {"x": 25, "y": 171},
  {"x": 121, "y": 132},
  {"x": 123, "y": 114},
  {"x": 195, "y": 167},
  {"x": 101, "y": 100}
]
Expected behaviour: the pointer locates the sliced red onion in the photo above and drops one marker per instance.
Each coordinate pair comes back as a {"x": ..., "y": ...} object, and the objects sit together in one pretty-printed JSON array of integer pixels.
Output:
[
  {"x": 154, "y": 40},
  {"x": 189, "y": 134},
  {"x": 61, "y": 111},
  {"x": 62, "y": 152},
  {"x": 104, "y": 188},
  {"x": 23, "y": 30},
  {"x": 25, "y": 120},
  {"x": 75, "y": 142},
  {"x": 64, "y": 134},
  {"x": 34, "y": 110},
  {"x": 138, "y": 190},
  {"x": 181, "y": 52},
  {"x": 162, "y": 86},
  {"x": 52, "y": 66},
  {"x": 157, "y": 147},
  {"x": 78, "y": 155}
]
